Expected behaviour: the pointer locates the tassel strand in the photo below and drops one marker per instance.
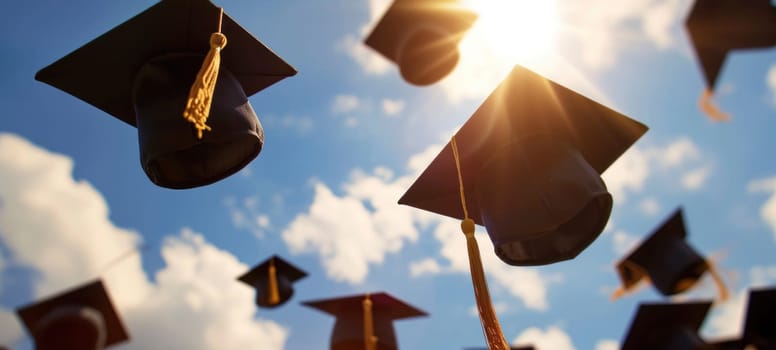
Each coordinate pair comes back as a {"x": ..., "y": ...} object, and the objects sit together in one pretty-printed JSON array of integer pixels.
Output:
[
  {"x": 370, "y": 340},
  {"x": 274, "y": 295}
]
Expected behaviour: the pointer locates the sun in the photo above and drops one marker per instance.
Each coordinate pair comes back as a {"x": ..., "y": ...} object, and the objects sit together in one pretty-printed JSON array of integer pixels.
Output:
[{"x": 519, "y": 30}]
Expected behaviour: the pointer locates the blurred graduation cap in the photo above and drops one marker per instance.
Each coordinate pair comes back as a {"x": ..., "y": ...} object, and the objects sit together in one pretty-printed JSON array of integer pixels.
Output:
[
  {"x": 273, "y": 280},
  {"x": 365, "y": 321},
  {"x": 668, "y": 326},
  {"x": 527, "y": 166},
  {"x": 510, "y": 348},
  {"x": 150, "y": 69},
  {"x": 421, "y": 37},
  {"x": 80, "y": 318},
  {"x": 760, "y": 321},
  {"x": 667, "y": 260},
  {"x": 717, "y": 27}
]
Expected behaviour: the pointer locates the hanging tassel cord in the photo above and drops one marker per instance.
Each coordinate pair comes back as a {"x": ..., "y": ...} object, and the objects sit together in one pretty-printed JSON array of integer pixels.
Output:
[
  {"x": 642, "y": 280},
  {"x": 491, "y": 328},
  {"x": 370, "y": 340},
  {"x": 722, "y": 289},
  {"x": 274, "y": 294},
  {"x": 201, "y": 92},
  {"x": 707, "y": 106}
]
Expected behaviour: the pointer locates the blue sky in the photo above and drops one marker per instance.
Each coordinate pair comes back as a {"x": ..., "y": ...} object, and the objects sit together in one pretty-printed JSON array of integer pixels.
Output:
[{"x": 345, "y": 138}]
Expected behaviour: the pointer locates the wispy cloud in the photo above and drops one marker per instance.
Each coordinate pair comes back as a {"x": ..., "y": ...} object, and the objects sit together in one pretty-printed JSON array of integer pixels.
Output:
[
  {"x": 554, "y": 338},
  {"x": 245, "y": 215},
  {"x": 352, "y": 43},
  {"x": 302, "y": 125},
  {"x": 649, "y": 206},
  {"x": 344, "y": 103},
  {"x": 770, "y": 82},
  {"x": 768, "y": 210},
  {"x": 607, "y": 344},
  {"x": 77, "y": 239},
  {"x": 392, "y": 107}
]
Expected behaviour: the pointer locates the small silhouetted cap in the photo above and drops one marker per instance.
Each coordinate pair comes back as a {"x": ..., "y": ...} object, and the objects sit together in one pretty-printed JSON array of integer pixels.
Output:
[
  {"x": 141, "y": 72},
  {"x": 421, "y": 37},
  {"x": 80, "y": 318},
  {"x": 348, "y": 333},
  {"x": 666, "y": 258},
  {"x": 285, "y": 275},
  {"x": 717, "y": 27},
  {"x": 531, "y": 158},
  {"x": 760, "y": 321},
  {"x": 510, "y": 348},
  {"x": 668, "y": 326}
]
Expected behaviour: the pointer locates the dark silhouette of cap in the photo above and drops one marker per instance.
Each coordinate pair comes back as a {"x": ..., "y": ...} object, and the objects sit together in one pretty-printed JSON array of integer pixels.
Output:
[
  {"x": 665, "y": 258},
  {"x": 510, "y": 348},
  {"x": 760, "y": 321},
  {"x": 260, "y": 278},
  {"x": 348, "y": 333},
  {"x": 727, "y": 344},
  {"x": 531, "y": 158},
  {"x": 141, "y": 72},
  {"x": 668, "y": 326},
  {"x": 717, "y": 27},
  {"x": 421, "y": 37},
  {"x": 80, "y": 318}
]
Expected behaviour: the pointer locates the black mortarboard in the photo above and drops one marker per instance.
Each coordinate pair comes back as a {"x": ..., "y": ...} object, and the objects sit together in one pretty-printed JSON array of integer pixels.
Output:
[
  {"x": 668, "y": 326},
  {"x": 141, "y": 72},
  {"x": 273, "y": 280},
  {"x": 80, "y": 318},
  {"x": 719, "y": 26},
  {"x": 354, "y": 322},
  {"x": 760, "y": 322},
  {"x": 665, "y": 258},
  {"x": 421, "y": 37},
  {"x": 531, "y": 158}
]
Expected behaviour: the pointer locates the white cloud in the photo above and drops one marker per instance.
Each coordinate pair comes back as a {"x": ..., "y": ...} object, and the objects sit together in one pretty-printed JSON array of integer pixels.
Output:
[
  {"x": 771, "y": 83},
  {"x": 370, "y": 61},
  {"x": 344, "y": 103},
  {"x": 762, "y": 276},
  {"x": 768, "y": 210},
  {"x": 426, "y": 266},
  {"x": 627, "y": 174},
  {"x": 59, "y": 228},
  {"x": 726, "y": 318},
  {"x": 553, "y": 338},
  {"x": 624, "y": 242},
  {"x": 678, "y": 152},
  {"x": 392, "y": 107},
  {"x": 694, "y": 179},
  {"x": 607, "y": 344},
  {"x": 650, "y": 206},
  {"x": 302, "y": 125},
  {"x": 10, "y": 328},
  {"x": 245, "y": 215}
]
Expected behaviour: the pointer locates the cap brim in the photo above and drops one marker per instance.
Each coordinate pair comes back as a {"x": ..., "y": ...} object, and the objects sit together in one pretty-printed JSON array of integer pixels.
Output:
[
  {"x": 282, "y": 268},
  {"x": 383, "y": 303},
  {"x": 102, "y": 72},
  {"x": 523, "y": 106},
  {"x": 404, "y": 15},
  {"x": 654, "y": 322},
  {"x": 92, "y": 295}
]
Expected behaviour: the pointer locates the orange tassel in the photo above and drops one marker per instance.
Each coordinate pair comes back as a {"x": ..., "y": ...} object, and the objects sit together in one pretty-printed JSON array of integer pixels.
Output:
[
  {"x": 706, "y": 104},
  {"x": 274, "y": 295},
  {"x": 201, "y": 93},
  {"x": 370, "y": 340},
  {"x": 722, "y": 289}
]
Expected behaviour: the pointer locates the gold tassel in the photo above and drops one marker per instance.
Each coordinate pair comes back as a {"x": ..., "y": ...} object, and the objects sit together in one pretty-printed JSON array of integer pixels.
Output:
[
  {"x": 370, "y": 340},
  {"x": 642, "y": 277},
  {"x": 274, "y": 295},
  {"x": 490, "y": 325},
  {"x": 201, "y": 93},
  {"x": 718, "y": 281},
  {"x": 706, "y": 105}
]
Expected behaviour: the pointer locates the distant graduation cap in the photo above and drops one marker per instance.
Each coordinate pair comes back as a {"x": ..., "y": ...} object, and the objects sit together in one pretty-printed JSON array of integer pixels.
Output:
[
  {"x": 169, "y": 59},
  {"x": 668, "y": 326},
  {"x": 527, "y": 166},
  {"x": 365, "y": 321},
  {"x": 717, "y": 27},
  {"x": 510, "y": 348},
  {"x": 79, "y": 319},
  {"x": 273, "y": 280},
  {"x": 666, "y": 259},
  {"x": 760, "y": 322},
  {"x": 421, "y": 37}
]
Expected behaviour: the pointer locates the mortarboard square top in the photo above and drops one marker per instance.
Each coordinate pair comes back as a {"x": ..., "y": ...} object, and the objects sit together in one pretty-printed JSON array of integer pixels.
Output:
[
  {"x": 102, "y": 72},
  {"x": 536, "y": 119},
  {"x": 259, "y": 278},
  {"x": 719, "y": 26},
  {"x": 667, "y": 326},
  {"x": 291, "y": 272},
  {"x": 405, "y": 16},
  {"x": 93, "y": 295}
]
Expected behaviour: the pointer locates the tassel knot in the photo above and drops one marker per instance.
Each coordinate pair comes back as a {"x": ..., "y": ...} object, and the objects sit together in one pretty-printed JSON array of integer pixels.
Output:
[{"x": 467, "y": 227}]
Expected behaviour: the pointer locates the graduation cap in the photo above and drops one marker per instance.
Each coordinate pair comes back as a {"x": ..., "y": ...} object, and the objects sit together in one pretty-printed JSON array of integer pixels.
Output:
[
  {"x": 668, "y": 326},
  {"x": 421, "y": 37},
  {"x": 717, "y": 27},
  {"x": 667, "y": 260},
  {"x": 80, "y": 318},
  {"x": 760, "y": 321},
  {"x": 527, "y": 166},
  {"x": 365, "y": 321},
  {"x": 273, "y": 280},
  {"x": 529, "y": 347},
  {"x": 173, "y": 59}
]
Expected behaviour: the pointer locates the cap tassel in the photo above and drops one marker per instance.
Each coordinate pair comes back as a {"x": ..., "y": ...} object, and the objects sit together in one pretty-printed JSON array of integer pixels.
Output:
[
  {"x": 706, "y": 105},
  {"x": 274, "y": 295},
  {"x": 641, "y": 281},
  {"x": 201, "y": 93},
  {"x": 722, "y": 289},
  {"x": 490, "y": 325},
  {"x": 370, "y": 340}
]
